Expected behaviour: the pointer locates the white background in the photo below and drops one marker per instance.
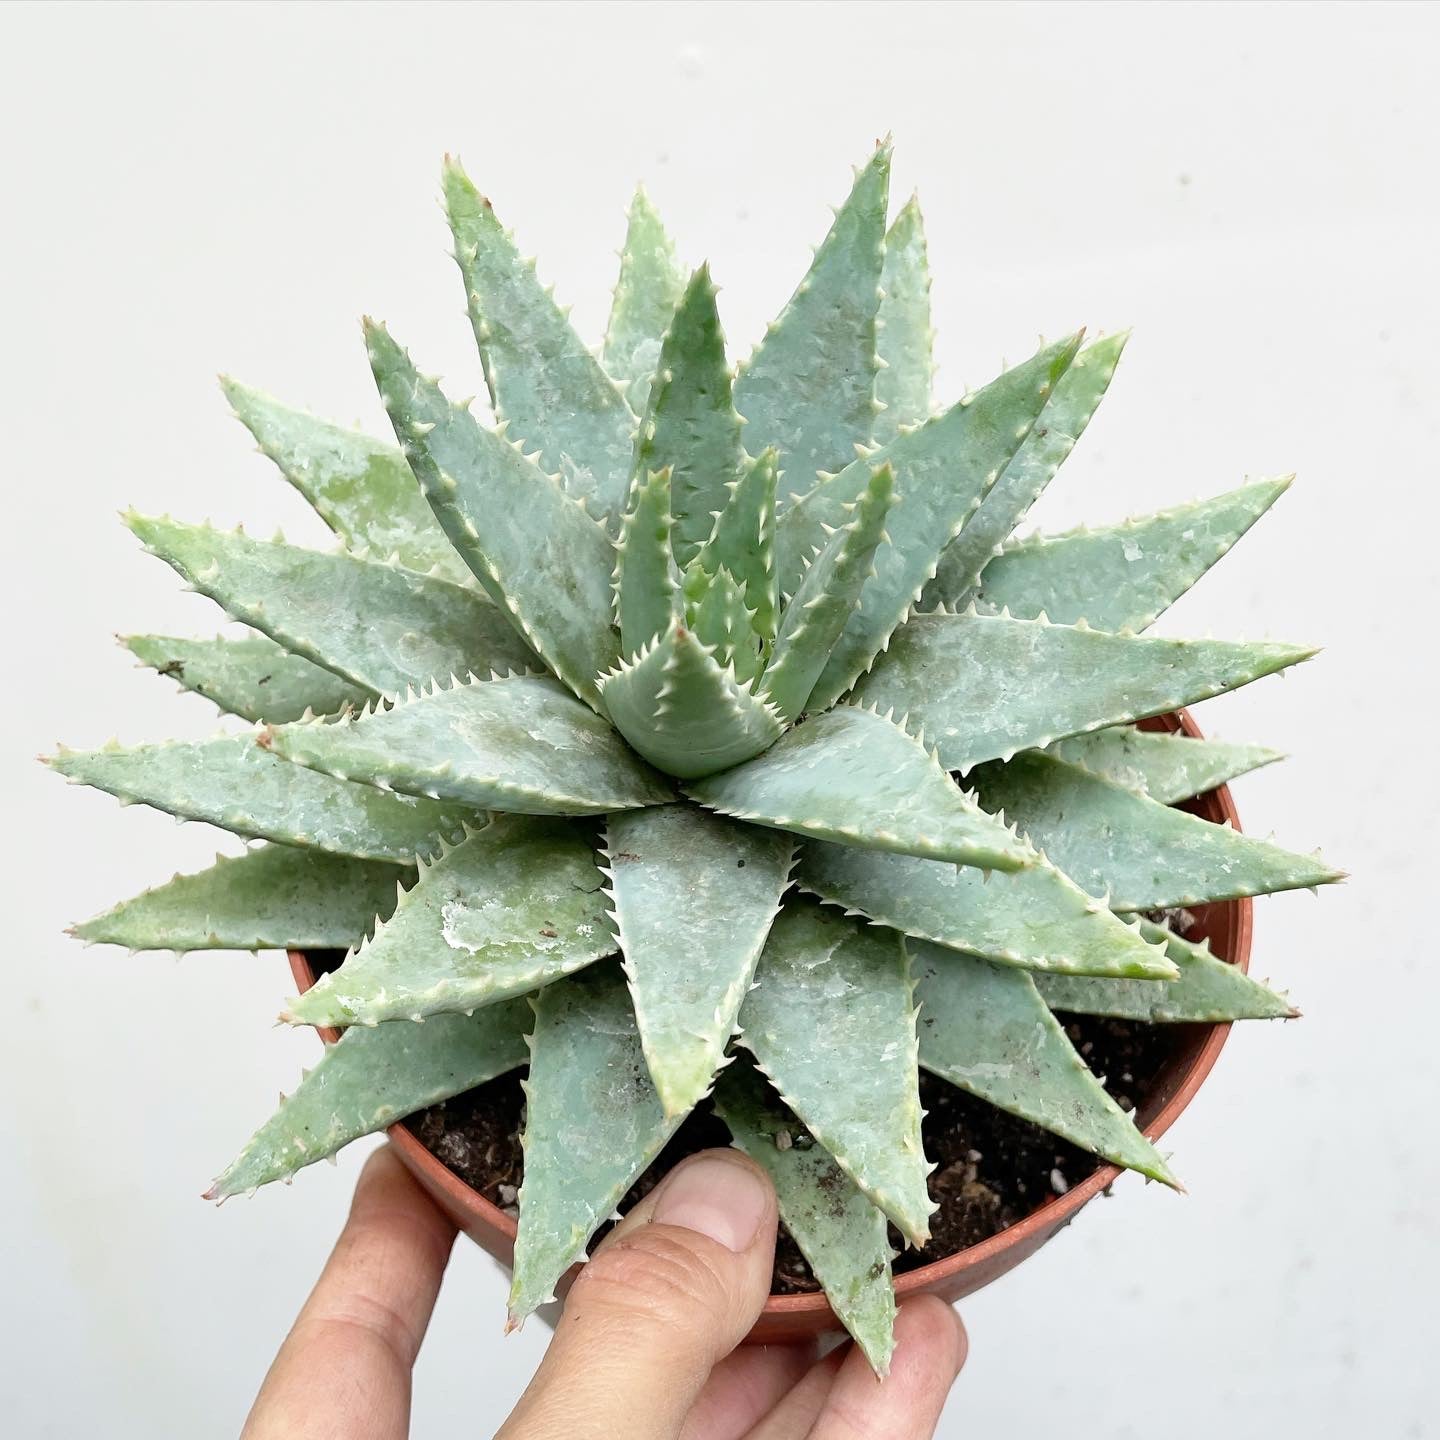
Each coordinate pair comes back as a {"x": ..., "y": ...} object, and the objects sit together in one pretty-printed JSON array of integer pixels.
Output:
[{"x": 189, "y": 189}]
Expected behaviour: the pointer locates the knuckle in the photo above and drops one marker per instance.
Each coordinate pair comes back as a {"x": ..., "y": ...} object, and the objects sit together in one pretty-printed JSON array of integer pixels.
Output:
[{"x": 651, "y": 1275}]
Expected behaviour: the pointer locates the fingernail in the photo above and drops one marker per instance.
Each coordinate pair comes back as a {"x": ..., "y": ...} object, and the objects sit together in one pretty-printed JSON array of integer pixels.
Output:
[{"x": 719, "y": 1198}]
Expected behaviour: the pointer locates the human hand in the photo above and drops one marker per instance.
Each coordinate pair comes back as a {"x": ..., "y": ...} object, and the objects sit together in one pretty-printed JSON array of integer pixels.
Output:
[{"x": 645, "y": 1348}]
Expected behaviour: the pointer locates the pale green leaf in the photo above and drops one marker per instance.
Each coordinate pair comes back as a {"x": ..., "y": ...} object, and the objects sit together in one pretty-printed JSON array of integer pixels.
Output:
[
  {"x": 521, "y": 743},
  {"x": 690, "y": 424},
  {"x": 248, "y": 675},
  {"x": 1036, "y": 918},
  {"x": 376, "y": 625},
  {"x": 942, "y": 472},
  {"x": 832, "y": 1023},
  {"x": 684, "y": 713},
  {"x": 839, "y": 1231},
  {"x": 744, "y": 542},
  {"x": 1123, "y": 576},
  {"x": 512, "y": 907},
  {"x": 694, "y": 898},
  {"x": 1075, "y": 398},
  {"x": 984, "y": 687},
  {"x": 715, "y": 610},
  {"x": 372, "y": 1077},
  {"x": 809, "y": 387},
  {"x": 647, "y": 584},
  {"x": 853, "y": 776},
  {"x": 985, "y": 1028},
  {"x": 593, "y": 1122},
  {"x": 646, "y": 294},
  {"x": 1139, "y": 854},
  {"x": 272, "y": 897},
  {"x": 1166, "y": 767},
  {"x": 543, "y": 379},
  {"x": 821, "y": 608},
  {"x": 904, "y": 339},
  {"x": 363, "y": 489},
  {"x": 1207, "y": 990},
  {"x": 232, "y": 782},
  {"x": 542, "y": 559}
]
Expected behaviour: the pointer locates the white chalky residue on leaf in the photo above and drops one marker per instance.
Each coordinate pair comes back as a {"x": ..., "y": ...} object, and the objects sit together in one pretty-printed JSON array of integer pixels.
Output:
[{"x": 473, "y": 928}]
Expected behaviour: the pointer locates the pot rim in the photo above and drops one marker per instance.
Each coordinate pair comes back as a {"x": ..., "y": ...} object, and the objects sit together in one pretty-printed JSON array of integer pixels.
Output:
[{"x": 1046, "y": 1217}]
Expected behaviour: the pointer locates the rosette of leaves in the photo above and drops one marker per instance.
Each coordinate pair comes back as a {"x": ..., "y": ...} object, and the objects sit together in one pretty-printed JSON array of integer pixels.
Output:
[{"x": 687, "y": 729}]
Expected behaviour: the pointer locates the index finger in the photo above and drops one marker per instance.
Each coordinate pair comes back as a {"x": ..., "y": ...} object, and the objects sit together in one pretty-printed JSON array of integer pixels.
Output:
[{"x": 344, "y": 1368}]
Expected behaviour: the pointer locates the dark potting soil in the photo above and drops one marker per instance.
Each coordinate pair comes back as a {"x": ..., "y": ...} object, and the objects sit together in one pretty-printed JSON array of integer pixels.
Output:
[{"x": 992, "y": 1169}]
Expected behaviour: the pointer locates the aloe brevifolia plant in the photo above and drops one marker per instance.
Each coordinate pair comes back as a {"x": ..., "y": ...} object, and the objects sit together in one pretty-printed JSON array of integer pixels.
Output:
[{"x": 686, "y": 730}]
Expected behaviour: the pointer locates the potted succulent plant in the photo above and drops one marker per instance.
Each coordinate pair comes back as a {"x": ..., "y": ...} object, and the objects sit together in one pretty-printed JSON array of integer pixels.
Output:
[{"x": 681, "y": 760}]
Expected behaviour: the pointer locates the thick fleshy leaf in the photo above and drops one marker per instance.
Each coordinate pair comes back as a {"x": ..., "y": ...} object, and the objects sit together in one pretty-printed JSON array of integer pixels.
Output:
[
  {"x": 821, "y": 608},
  {"x": 744, "y": 542},
  {"x": 377, "y": 625},
  {"x": 983, "y": 687},
  {"x": 715, "y": 610},
  {"x": 248, "y": 675},
  {"x": 694, "y": 898},
  {"x": 372, "y": 1077},
  {"x": 271, "y": 897},
  {"x": 1124, "y": 576},
  {"x": 512, "y": 907},
  {"x": 839, "y": 1231},
  {"x": 522, "y": 743},
  {"x": 937, "y": 493},
  {"x": 647, "y": 584},
  {"x": 853, "y": 776},
  {"x": 1077, "y": 394},
  {"x": 542, "y": 559},
  {"x": 690, "y": 424},
  {"x": 1139, "y": 854},
  {"x": 950, "y": 460},
  {"x": 1206, "y": 991},
  {"x": 593, "y": 1122},
  {"x": 809, "y": 388},
  {"x": 684, "y": 713},
  {"x": 1037, "y": 918},
  {"x": 232, "y": 782},
  {"x": 822, "y": 975},
  {"x": 1166, "y": 767},
  {"x": 985, "y": 1028},
  {"x": 543, "y": 378},
  {"x": 646, "y": 294},
  {"x": 904, "y": 339},
  {"x": 363, "y": 489}
]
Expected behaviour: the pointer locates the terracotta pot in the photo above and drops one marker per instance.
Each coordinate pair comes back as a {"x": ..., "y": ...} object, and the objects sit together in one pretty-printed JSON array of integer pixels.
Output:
[{"x": 789, "y": 1317}]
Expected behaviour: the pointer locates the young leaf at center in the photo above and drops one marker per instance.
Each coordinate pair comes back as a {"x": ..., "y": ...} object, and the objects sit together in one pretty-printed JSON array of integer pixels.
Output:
[
  {"x": 690, "y": 424},
  {"x": 685, "y": 713}
]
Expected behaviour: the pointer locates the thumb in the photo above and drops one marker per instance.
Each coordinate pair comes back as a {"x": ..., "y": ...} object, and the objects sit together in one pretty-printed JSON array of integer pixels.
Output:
[{"x": 672, "y": 1291}]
